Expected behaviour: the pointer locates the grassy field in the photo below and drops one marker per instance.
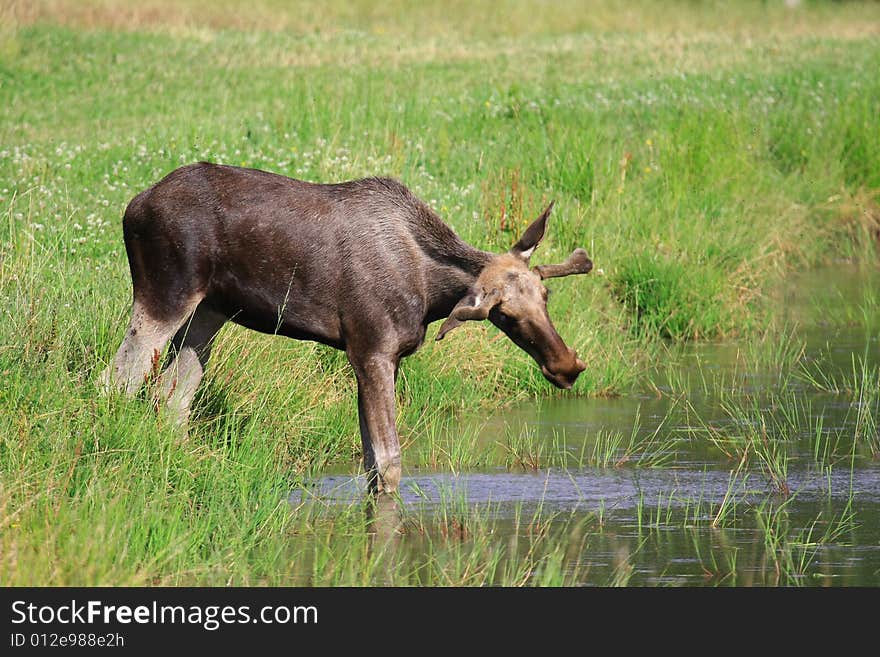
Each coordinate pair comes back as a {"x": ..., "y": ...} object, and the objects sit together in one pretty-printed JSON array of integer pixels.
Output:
[{"x": 698, "y": 150}]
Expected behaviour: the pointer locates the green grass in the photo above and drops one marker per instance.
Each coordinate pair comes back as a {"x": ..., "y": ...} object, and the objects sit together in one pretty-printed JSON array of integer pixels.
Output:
[{"x": 698, "y": 151}]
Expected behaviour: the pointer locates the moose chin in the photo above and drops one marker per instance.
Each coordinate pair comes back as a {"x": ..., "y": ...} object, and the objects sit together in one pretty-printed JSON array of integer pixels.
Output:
[{"x": 363, "y": 266}]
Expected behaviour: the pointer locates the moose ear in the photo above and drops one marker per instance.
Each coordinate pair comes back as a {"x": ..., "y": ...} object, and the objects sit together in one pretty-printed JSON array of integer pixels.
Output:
[
  {"x": 533, "y": 235},
  {"x": 473, "y": 306}
]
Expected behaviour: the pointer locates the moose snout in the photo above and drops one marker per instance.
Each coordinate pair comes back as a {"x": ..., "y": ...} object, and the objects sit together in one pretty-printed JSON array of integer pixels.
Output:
[{"x": 563, "y": 375}]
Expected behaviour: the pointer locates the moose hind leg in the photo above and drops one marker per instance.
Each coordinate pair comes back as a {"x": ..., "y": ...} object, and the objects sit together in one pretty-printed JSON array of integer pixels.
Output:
[
  {"x": 191, "y": 348},
  {"x": 141, "y": 348}
]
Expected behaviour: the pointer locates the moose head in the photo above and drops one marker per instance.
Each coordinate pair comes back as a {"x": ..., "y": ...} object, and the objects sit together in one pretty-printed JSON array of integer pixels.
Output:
[{"x": 511, "y": 295}]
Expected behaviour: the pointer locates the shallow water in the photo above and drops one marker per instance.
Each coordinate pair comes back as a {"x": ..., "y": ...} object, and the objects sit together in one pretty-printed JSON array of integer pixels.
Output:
[{"x": 681, "y": 511}]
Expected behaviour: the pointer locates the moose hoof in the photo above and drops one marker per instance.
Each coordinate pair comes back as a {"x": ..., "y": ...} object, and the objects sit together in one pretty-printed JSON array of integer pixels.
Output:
[
  {"x": 106, "y": 383},
  {"x": 389, "y": 480},
  {"x": 385, "y": 481}
]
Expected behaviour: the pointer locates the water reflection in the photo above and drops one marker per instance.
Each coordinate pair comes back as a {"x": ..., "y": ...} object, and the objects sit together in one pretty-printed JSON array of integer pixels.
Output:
[{"x": 620, "y": 489}]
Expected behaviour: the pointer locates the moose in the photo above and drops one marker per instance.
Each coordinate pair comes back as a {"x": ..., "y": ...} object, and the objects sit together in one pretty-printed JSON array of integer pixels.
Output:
[{"x": 363, "y": 266}]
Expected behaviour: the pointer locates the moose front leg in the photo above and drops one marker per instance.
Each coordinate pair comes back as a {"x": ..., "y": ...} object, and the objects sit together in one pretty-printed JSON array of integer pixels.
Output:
[{"x": 376, "y": 411}]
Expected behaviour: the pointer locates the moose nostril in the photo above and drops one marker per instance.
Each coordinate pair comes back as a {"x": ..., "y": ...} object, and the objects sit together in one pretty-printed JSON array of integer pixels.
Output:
[{"x": 580, "y": 365}]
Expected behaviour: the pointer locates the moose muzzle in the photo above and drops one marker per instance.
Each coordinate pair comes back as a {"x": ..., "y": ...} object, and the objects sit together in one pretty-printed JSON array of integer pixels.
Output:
[{"x": 564, "y": 372}]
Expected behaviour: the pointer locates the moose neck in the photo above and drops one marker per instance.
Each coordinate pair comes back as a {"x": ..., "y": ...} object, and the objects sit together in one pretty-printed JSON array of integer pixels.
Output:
[
  {"x": 451, "y": 265},
  {"x": 449, "y": 280}
]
